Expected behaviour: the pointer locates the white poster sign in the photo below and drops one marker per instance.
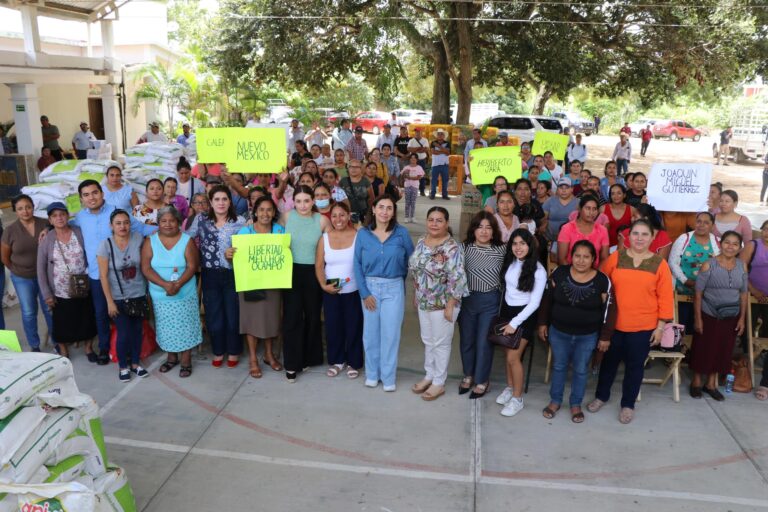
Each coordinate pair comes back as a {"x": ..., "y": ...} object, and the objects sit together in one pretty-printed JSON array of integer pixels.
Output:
[{"x": 679, "y": 187}]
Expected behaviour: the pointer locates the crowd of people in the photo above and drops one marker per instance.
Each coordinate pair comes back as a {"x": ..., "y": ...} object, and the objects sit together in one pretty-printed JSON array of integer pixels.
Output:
[{"x": 580, "y": 261}]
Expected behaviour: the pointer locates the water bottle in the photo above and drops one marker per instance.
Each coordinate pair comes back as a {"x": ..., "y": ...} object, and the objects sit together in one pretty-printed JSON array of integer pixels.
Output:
[
  {"x": 729, "y": 383},
  {"x": 175, "y": 274}
]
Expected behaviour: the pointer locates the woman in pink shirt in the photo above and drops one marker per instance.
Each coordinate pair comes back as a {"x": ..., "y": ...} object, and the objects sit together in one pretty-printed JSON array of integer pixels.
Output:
[{"x": 583, "y": 228}]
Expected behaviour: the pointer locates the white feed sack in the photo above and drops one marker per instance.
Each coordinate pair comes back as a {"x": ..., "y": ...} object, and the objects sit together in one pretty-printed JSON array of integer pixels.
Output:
[
  {"x": 71, "y": 496},
  {"x": 24, "y": 377}
]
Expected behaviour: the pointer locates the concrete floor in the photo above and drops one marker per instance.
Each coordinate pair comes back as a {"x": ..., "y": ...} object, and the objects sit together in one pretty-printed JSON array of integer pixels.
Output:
[{"x": 222, "y": 439}]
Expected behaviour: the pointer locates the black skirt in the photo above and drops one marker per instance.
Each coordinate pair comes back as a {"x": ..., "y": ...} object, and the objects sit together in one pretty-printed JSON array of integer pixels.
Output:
[
  {"x": 529, "y": 326},
  {"x": 73, "y": 320}
]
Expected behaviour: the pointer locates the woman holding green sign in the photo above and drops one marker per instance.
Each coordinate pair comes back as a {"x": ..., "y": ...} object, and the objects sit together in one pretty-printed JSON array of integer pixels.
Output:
[{"x": 302, "y": 341}]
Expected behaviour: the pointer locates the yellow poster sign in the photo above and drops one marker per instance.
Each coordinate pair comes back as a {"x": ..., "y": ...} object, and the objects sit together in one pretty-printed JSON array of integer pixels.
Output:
[
  {"x": 488, "y": 163},
  {"x": 249, "y": 150},
  {"x": 547, "y": 141},
  {"x": 262, "y": 262},
  {"x": 9, "y": 341}
]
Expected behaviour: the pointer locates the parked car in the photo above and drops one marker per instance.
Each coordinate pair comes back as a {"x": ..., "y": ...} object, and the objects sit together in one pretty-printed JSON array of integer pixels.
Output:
[
  {"x": 338, "y": 116},
  {"x": 407, "y": 116},
  {"x": 575, "y": 122},
  {"x": 525, "y": 127},
  {"x": 640, "y": 124},
  {"x": 373, "y": 121},
  {"x": 674, "y": 129}
]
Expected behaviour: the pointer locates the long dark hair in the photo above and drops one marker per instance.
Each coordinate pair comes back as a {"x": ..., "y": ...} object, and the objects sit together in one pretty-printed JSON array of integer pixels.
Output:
[
  {"x": 393, "y": 221},
  {"x": 475, "y": 223},
  {"x": 231, "y": 214},
  {"x": 265, "y": 199},
  {"x": 530, "y": 262}
]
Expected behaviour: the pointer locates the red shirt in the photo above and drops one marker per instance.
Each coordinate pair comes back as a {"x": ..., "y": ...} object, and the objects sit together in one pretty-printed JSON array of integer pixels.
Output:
[
  {"x": 626, "y": 129},
  {"x": 646, "y": 135}
]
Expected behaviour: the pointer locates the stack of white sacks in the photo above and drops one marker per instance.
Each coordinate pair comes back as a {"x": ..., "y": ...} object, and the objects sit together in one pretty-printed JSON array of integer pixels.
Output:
[
  {"x": 59, "y": 181},
  {"x": 52, "y": 452}
]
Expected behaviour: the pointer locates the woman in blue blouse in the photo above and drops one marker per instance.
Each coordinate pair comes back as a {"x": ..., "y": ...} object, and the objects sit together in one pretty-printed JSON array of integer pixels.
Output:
[
  {"x": 382, "y": 251},
  {"x": 215, "y": 230}
]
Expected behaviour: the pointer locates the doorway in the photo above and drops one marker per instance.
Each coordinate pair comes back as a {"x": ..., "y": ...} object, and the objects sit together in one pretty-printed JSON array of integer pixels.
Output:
[{"x": 96, "y": 117}]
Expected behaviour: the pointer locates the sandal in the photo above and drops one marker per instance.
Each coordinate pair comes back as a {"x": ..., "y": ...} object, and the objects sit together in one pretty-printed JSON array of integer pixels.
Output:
[
  {"x": 549, "y": 412},
  {"x": 465, "y": 385},
  {"x": 578, "y": 416},
  {"x": 168, "y": 365},
  {"x": 185, "y": 371},
  {"x": 335, "y": 369},
  {"x": 626, "y": 415},
  {"x": 761, "y": 393},
  {"x": 274, "y": 364},
  {"x": 352, "y": 373},
  {"x": 255, "y": 371},
  {"x": 433, "y": 393},
  {"x": 480, "y": 390},
  {"x": 595, "y": 405},
  {"x": 421, "y": 386}
]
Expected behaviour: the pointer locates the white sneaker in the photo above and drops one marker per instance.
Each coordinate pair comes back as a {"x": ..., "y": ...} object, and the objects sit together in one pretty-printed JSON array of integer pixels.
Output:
[
  {"x": 390, "y": 388},
  {"x": 371, "y": 383},
  {"x": 504, "y": 397},
  {"x": 514, "y": 406}
]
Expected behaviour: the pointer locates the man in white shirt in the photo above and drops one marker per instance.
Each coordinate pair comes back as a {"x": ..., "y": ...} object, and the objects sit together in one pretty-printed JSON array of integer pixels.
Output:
[
  {"x": 420, "y": 146},
  {"x": 342, "y": 135},
  {"x": 622, "y": 154},
  {"x": 295, "y": 133},
  {"x": 387, "y": 137},
  {"x": 555, "y": 170},
  {"x": 153, "y": 134},
  {"x": 440, "y": 149},
  {"x": 476, "y": 142},
  {"x": 316, "y": 136},
  {"x": 83, "y": 141},
  {"x": 577, "y": 151}
]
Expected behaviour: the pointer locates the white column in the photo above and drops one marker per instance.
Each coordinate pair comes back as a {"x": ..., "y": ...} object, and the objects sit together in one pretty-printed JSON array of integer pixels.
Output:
[
  {"x": 26, "y": 115},
  {"x": 108, "y": 44},
  {"x": 31, "y": 32},
  {"x": 112, "y": 132}
]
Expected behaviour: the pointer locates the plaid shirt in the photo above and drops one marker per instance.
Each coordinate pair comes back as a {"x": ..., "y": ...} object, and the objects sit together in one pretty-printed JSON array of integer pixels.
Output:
[{"x": 357, "y": 150}]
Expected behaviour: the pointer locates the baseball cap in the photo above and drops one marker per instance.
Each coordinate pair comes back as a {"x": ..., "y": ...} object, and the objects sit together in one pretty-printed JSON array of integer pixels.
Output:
[
  {"x": 83, "y": 123},
  {"x": 154, "y": 124},
  {"x": 185, "y": 124},
  {"x": 358, "y": 128},
  {"x": 56, "y": 205},
  {"x": 503, "y": 134},
  {"x": 387, "y": 125},
  {"x": 564, "y": 181}
]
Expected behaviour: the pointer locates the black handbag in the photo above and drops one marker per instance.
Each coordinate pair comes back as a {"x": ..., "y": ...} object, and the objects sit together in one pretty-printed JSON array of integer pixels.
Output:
[
  {"x": 135, "y": 307},
  {"x": 496, "y": 334},
  {"x": 79, "y": 284}
]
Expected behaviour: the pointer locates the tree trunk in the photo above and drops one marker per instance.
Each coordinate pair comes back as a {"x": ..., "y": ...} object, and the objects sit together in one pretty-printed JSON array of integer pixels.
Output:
[
  {"x": 463, "y": 82},
  {"x": 441, "y": 89},
  {"x": 542, "y": 96}
]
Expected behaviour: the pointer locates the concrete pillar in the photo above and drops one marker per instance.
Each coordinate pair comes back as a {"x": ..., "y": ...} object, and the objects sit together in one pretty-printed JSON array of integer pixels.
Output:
[
  {"x": 31, "y": 32},
  {"x": 26, "y": 114},
  {"x": 108, "y": 44},
  {"x": 112, "y": 132}
]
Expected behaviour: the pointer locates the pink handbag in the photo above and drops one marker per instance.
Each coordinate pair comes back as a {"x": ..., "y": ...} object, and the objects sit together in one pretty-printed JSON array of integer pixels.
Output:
[{"x": 672, "y": 337}]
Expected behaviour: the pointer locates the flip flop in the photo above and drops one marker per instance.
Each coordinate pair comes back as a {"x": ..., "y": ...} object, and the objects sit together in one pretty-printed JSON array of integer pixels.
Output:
[
  {"x": 274, "y": 364},
  {"x": 595, "y": 405},
  {"x": 352, "y": 373},
  {"x": 255, "y": 372},
  {"x": 626, "y": 415},
  {"x": 761, "y": 393},
  {"x": 433, "y": 393},
  {"x": 549, "y": 413},
  {"x": 577, "y": 417},
  {"x": 335, "y": 369},
  {"x": 421, "y": 386},
  {"x": 185, "y": 371}
]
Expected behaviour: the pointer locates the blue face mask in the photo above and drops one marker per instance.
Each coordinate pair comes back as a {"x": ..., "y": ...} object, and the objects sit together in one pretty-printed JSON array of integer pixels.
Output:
[{"x": 322, "y": 203}]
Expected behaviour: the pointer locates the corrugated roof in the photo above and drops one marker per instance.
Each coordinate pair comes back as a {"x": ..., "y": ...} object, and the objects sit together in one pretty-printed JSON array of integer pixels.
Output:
[{"x": 81, "y": 10}]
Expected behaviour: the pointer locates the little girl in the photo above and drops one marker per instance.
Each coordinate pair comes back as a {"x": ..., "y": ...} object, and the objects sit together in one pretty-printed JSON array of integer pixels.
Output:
[{"x": 410, "y": 175}]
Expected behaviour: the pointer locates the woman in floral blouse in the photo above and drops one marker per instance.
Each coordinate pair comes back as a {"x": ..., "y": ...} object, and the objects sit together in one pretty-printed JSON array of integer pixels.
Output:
[{"x": 437, "y": 266}]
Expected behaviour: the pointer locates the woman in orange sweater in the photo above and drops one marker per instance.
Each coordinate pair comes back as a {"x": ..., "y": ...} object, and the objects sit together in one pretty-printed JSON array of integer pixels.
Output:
[{"x": 644, "y": 301}]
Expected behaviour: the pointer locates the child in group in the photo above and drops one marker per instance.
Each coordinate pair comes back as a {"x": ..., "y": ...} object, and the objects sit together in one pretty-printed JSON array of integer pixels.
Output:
[{"x": 410, "y": 175}]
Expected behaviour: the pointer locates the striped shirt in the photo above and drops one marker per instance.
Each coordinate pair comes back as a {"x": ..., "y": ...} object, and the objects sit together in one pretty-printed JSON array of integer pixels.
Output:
[{"x": 483, "y": 267}]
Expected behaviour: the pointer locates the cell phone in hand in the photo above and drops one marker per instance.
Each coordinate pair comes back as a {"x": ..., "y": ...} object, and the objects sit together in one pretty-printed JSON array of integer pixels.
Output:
[{"x": 336, "y": 282}]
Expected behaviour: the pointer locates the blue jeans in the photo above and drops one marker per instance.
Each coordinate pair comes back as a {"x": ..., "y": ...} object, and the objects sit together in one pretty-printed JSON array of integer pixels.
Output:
[
  {"x": 632, "y": 349},
  {"x": 129, "y": 337},
  {"x": 29, "y": 295},
  {"x": 570, "y": 348},
  {"x": 102, "y": 314},
  {"x": 622, "y": 167},
  {"x": 222, "y": 310},
  {"x": 381, "y": 329},
  {"x": 440, "y": 171},
  {"x": 477, "y": 311}
]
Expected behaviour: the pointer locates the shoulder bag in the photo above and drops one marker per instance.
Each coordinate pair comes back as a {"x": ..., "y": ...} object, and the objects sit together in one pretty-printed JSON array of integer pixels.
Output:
[
  {"x": 496, "y": 334},
  {"x": 135, "y": 307},
  {"x": 79, "y": 284}
]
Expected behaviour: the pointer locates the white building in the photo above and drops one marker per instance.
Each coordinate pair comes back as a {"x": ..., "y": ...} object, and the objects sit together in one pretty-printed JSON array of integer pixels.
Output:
[{"x": 72, "y": 61}]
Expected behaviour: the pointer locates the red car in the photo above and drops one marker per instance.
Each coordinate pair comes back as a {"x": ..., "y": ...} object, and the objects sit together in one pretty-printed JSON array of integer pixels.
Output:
[
  {"x": 674, "y": 130},
  {"x": 372, "y": 121}
]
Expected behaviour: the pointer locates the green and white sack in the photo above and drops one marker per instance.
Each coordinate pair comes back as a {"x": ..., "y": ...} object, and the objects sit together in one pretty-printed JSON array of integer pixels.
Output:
[
  {"x": 15, "y": 429},
  {"x": 113, "y": 492},
  {"x": 26, "y": 374},
  {"x": 66, "y": 497}
]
